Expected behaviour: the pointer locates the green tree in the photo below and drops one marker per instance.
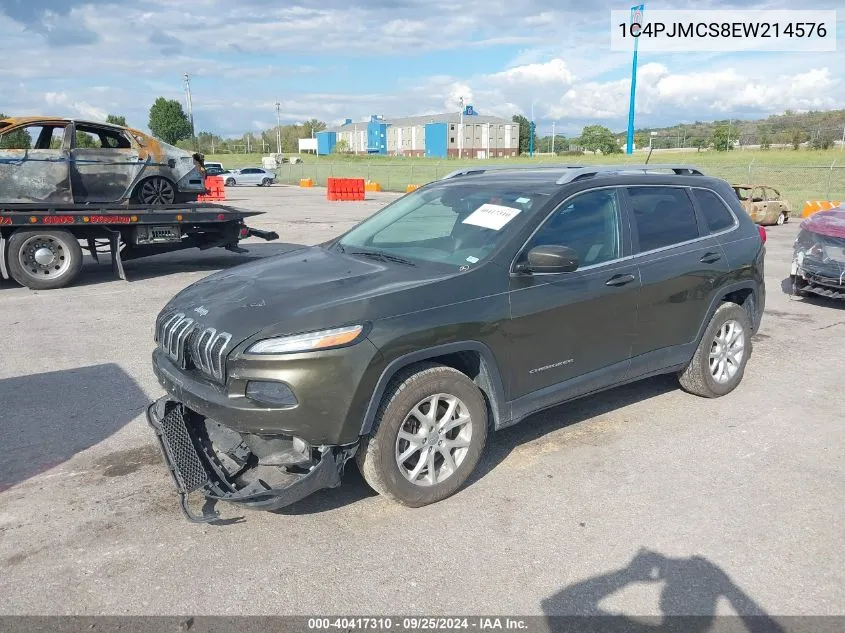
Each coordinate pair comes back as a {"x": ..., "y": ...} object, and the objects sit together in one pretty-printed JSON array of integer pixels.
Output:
[
  {"x": 168, "y": 121},
  {"x": 341, "y": 147},
  {"x": 640, "y": 139},
  {"x": 116, "y": 119},
  {"x": 797, "y": 137},
  {"x": 822, "y": 140},
  {"x": 765, "y": 140},
  {"x": 85, "y": 140},
  {"x": 598, "y": 138},
  {"x": 312, "y": 127},
  {"x": 19, "y": 139},
  {"x": 721, "y": 138},
  {"x": 524, "y": 132}
]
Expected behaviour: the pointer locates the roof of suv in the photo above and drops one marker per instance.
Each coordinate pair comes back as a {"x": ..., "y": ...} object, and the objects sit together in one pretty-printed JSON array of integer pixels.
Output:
[{"x": 554, "y": 176}]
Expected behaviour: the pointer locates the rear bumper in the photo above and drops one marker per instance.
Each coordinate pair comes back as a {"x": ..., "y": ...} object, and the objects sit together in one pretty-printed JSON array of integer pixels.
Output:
[{"x": 198, "y": 469}]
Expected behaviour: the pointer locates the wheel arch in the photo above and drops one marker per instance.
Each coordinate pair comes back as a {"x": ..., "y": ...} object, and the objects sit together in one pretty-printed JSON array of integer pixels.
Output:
[
  {"x": 744, "y": 294},
  {"x": 140, "y": 182},
  {"x": 471, "y": 358}
]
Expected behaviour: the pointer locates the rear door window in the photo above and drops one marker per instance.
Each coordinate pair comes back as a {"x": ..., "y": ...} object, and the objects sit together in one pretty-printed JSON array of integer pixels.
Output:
[
  {"x": 716, "y": 213},
  {"x": 663, "y": 216}
]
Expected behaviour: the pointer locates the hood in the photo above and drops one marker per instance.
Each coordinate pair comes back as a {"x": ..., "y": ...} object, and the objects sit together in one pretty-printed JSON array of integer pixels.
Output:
[{"x": 309, "y": 288}]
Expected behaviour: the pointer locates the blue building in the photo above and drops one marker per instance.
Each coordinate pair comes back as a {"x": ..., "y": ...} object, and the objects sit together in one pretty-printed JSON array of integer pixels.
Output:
[{"x": 464, "y": 134}]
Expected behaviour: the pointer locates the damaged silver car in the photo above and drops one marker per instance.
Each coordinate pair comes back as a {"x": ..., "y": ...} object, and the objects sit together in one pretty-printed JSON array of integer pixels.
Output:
[
  {"x": 67, "y": 161},
  {"x": 818, "y": 261}
]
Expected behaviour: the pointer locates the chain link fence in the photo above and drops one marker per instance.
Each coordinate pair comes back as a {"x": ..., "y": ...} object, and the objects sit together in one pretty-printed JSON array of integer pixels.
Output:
[{"x": 797, "y": 183}]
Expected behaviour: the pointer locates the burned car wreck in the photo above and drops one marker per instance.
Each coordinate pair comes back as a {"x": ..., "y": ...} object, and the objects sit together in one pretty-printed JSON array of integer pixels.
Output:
[
  {"x": 818, "y": 262},
  {"x": 67, "y": 161}
]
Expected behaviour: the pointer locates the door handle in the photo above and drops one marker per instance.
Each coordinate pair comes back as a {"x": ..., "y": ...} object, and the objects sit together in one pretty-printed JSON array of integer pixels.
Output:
[
  {"x": 619, "y": 280},
  {"x": 709, "y": 258}
]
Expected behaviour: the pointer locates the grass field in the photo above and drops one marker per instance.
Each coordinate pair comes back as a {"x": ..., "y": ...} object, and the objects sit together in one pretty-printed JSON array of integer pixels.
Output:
[{"x": 799, "y": 175}]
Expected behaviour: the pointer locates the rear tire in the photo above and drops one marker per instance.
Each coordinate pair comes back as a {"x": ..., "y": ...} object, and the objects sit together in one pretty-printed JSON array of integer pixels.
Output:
[
  {"x": 44, "y": 260},
  {"x": 451, "y": 440},
  {"x": 718, "y": 365},
  {"x": 155, "y": 190},
  {"x": 266, "y": 182}
]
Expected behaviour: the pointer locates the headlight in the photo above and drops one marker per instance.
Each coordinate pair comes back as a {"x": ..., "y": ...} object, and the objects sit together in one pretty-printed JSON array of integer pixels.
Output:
[{"x": 323, "y": 339}]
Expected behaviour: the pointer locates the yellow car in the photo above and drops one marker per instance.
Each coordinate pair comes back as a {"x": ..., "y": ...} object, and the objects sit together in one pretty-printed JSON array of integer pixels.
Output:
[{"x": 763, "y": 204}]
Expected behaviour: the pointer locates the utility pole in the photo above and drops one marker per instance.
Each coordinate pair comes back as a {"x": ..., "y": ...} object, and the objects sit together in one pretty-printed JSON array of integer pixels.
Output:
[
  {"x": 554, "y": 138},
  {"x": 461, "y": 131},
  {"x": 190, "y": 108},
  {"x": 278, "y": 128},
  {"x": 531, "y": 133}
]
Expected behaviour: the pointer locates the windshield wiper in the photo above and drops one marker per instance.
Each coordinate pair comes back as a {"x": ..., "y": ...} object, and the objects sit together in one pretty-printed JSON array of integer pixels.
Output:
[{"x": 383, "y": 256}]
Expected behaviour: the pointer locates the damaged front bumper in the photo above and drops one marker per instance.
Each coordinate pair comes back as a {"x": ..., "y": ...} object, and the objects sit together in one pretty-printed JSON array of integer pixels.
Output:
[{"x": 219, "y": 464}]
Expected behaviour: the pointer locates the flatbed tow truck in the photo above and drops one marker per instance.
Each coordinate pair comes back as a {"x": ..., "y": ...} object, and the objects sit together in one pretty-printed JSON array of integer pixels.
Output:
[{"x": 41, "y": 243}]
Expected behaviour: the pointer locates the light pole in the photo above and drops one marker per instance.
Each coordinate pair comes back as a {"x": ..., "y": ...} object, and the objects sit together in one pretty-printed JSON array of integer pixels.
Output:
[
  {"x": 554, "y": 138},
  {"x": 636, "y": 27},
  {"x": 278, "y": 128},
  {"x": 190, "y": 108},
  {"x": 531, "y": 132},
  {"x": 461, "y": 131}
]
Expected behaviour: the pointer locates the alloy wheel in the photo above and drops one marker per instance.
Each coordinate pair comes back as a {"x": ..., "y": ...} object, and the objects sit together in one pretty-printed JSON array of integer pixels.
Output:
[
  {"x": 727, "y": 351},
  {"x": 434, "y": 439}
]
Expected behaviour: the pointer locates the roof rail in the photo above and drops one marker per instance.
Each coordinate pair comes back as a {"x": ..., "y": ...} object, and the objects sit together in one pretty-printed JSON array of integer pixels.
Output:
[
  {"x": 466, "y": 171},
  {"x": 577, "y": 172},
  {"x": 586, "y": 171}
]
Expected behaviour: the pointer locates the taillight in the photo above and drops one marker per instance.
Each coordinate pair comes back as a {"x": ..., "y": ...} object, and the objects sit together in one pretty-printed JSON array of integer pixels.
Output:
[{"x": 762, "y": 231}]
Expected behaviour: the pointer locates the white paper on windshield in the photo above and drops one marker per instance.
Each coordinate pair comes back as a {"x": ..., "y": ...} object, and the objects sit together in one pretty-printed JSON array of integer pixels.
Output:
[{"x": 492, "y": 216}]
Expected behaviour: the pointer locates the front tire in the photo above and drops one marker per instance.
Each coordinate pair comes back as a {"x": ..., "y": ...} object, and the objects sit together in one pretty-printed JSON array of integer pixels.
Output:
[
  {"x": 718, "y": 365},
  {"x": 44, "y": 260},
  {"x": 427, "y": 437},
  {"x": 781, "y": 218},
  {"x": 230, "y": 182}
]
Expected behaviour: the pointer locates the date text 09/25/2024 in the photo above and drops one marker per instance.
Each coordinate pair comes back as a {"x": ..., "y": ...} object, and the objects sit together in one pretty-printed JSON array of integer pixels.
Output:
[{"x": 417, "y": 623}]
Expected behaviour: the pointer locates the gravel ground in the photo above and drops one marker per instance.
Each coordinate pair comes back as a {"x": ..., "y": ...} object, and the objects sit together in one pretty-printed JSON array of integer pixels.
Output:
[{"x": 736, "y": 501}]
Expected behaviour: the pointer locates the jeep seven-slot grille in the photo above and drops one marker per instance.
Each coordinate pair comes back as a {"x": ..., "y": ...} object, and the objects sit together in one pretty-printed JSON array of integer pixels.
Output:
[{"x": 191, "y": 347}]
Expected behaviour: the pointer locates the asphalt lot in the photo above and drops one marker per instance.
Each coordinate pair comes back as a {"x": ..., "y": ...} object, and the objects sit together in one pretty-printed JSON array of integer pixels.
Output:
[{"x": 742, "y": 499}]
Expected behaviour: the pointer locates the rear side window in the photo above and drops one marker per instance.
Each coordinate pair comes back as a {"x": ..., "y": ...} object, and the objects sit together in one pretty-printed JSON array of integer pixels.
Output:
[
  {"x": 716, "y": 214},
  {"x": 663, "y": 216}
]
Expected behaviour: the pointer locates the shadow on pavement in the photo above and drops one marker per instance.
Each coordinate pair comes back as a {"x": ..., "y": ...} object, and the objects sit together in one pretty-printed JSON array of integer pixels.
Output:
[
  {"x": 499, "y": 444},
  {"x": 45, "y": 419},
  {"x": 692, "y": 587}
]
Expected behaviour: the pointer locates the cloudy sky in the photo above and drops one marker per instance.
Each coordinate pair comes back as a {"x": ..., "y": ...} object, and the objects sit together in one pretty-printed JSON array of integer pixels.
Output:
[{"x": 332, "y": 59}]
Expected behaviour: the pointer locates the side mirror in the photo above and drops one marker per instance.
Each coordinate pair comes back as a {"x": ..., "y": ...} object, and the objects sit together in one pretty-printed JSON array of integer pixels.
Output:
[{"x": 550, "y": 258}]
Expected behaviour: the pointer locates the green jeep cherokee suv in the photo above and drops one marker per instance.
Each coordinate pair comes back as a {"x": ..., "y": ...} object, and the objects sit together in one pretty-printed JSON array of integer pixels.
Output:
[{"x": 460, "y": 308}]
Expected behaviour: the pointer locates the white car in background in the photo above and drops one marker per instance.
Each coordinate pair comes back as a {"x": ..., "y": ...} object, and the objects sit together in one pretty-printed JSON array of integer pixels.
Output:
[{"x": 248, "y": 176}]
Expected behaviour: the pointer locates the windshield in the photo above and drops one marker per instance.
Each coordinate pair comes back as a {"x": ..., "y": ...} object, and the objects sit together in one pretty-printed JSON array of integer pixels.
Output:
[{"x": 449, "y": 223}]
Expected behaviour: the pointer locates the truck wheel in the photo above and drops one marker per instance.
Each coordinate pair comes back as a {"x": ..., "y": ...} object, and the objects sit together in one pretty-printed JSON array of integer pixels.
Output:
[
  {"x": 427, "y": 437},
  {"x": 43, "y": 260},
  {"x": 719, "y": 362}
]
